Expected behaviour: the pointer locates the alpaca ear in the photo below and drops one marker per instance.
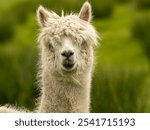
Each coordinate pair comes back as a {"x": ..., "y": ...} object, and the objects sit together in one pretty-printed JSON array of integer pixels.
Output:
[
  {"x": 43, "y": 15},
  {"x": 85, "y": 12}
]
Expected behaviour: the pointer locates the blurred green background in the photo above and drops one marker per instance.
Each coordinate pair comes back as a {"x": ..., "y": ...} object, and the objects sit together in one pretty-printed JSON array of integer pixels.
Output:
[{"x": 121, "y": 81}]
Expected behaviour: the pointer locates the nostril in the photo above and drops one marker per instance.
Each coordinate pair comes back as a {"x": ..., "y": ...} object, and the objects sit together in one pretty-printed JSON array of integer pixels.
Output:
[
  {"x": 67, "y": 53},
  {"x": 63, "y": 54},
  {"x": 71, "y": 53}
]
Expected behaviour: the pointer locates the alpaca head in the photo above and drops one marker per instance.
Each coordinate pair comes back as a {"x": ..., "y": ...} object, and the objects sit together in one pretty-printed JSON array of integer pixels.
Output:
[{"x": 66, "y": 42}]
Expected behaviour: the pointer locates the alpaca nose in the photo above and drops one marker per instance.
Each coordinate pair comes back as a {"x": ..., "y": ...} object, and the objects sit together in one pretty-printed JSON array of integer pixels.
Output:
[{"x": 67, "y": 54}]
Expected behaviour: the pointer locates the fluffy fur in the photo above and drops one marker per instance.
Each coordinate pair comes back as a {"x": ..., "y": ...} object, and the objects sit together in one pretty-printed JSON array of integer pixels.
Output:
[
  {"x": 66, "y": 61},
  {"x": 11, "y": 109}
]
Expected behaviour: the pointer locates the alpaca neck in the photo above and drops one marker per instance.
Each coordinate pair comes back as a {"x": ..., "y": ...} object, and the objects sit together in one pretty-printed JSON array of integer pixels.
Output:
[{"x": 65, "y": 96}]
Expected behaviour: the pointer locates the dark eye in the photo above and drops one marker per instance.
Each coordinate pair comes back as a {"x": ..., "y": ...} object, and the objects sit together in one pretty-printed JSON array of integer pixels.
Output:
[
  {"x": 83, "y": 47},
  {"x": 50, "y": 47}
]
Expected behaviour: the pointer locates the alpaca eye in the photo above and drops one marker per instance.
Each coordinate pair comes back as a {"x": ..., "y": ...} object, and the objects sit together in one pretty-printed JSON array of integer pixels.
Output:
[
  {"x": 50, "y": 47},
  {"x": 83, "y": 50},
  {"x": 84, "y": 46}
]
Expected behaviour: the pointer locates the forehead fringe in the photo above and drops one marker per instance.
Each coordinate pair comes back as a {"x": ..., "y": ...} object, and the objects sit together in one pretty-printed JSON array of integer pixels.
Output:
[{"x": 69, "y": 25}]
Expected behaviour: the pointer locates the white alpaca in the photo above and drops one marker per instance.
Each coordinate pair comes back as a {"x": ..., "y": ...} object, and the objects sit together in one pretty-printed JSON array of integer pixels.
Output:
[{"x": 66, "y": 63}]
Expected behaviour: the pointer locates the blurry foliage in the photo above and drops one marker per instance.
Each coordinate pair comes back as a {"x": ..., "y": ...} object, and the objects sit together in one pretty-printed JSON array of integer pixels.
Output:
[
  {"x": 18, "y": 66},
  {"x": 6, "y": 29},
  {"x": 123, "y": 1},
  {"x": 141, "y": 30},
  {"x": 118, "y": 90},
  {"x": 17, "y": 75},
  {"x": 22, "y": 8},
  {"x": 142, "y": 4},
  {"x": 102, "y": 8}
]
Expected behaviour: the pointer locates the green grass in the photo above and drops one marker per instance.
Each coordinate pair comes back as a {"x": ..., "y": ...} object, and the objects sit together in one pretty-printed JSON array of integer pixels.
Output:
[
  {"x": 117, "y": 45},
  {"x": 121, "y": 78}
]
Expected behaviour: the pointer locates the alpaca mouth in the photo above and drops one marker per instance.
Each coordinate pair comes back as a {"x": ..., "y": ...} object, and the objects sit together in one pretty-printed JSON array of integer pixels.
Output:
[{"x": 68, "y": 64}]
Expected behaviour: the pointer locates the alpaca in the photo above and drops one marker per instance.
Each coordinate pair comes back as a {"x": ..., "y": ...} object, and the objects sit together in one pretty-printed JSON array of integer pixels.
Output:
[{"x": 66, "y": 61}]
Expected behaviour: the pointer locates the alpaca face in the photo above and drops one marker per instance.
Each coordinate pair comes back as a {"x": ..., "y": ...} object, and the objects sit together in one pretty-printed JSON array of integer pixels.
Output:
[
  {"x": 62, "y": 54},
  {"x": 66, "y": 54},
  {"x": 67, "y": 41}
]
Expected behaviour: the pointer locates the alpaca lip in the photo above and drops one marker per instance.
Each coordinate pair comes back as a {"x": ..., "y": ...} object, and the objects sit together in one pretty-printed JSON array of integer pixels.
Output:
[{"x": 68, "y": 64}]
